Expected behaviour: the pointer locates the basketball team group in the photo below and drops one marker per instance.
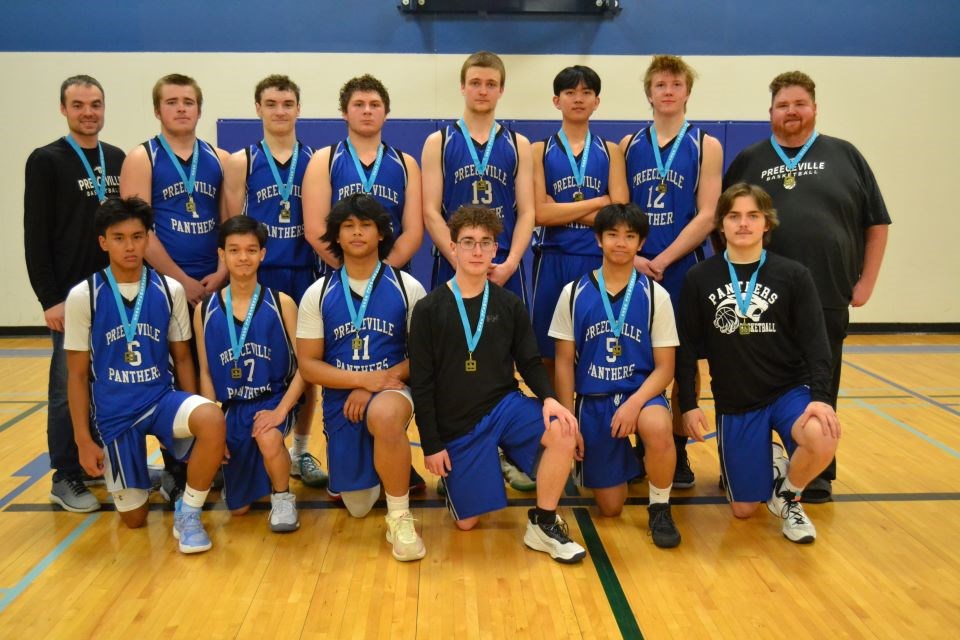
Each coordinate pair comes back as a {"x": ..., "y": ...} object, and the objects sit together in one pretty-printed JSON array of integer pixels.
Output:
[{"x": 215, "y": 300}]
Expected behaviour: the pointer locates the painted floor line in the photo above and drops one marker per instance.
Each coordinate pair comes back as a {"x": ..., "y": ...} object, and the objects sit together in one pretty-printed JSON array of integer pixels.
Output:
[
  {"x": 11, "y": 594},
  {"x": 14, "y": 420},
  {"x": 902, "y": 388},
  {"x": 906, "y": 427}
]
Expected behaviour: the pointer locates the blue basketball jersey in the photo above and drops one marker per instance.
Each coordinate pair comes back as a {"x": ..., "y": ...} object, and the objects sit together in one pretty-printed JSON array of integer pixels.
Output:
[
  {"x": 390, "y": 188},
  {"x": 190, "y": 239},
  {"x": 124, "y": 390},
  {"x": 573, "y": 238},
  {"x": 383, "y": 333},
  {"x": 598, "y": 371},
  {"x": 267, "y": 360},
  {"x": 668, "y": 213},
  {"x": 460, "y": 178},
  {"x": 286, "y": 244}
]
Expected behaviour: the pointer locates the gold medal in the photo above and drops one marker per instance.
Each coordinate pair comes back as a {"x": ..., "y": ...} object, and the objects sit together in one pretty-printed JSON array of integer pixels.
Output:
[
  {"x": 662, "y": 187},
  {"x": 578, "y": 196},
  {"x": 236, "y": 373},
  {"x": 357, "y": 343},
  {"x": 744, "y": 329},
  {"x": 129, "y": 357},
  {"x": 192, "y": 206},
  {"x": 482, "y": 185},
  {"x": 789, "y": 182},
  {"x": 616, "y": 350},
  {"x": 470, "y": 365},
  {"x": 285, "y": 211}
]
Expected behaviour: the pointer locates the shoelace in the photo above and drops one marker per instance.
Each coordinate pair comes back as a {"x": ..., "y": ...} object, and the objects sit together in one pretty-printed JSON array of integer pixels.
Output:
[
  {"x": 283, "y": 507},
  {"x": 794, "y": 511},
  {"x": 558, "y": 530},
  {"x": 406, "y": 531},
  {"x": 190, "y": 522},
  {"x": 659, "y": 521},
  {"x": 76, "y": 485}
]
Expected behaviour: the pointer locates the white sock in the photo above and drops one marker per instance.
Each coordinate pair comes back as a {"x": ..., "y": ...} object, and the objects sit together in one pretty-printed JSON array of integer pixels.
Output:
[
  {"x": 789, "y": 486},
  {"x": 660, "y": 496},
  {"x": 397, "y": 505},
  {"x": 300, "y": 444},
  {"x": 194, "y": 498}
]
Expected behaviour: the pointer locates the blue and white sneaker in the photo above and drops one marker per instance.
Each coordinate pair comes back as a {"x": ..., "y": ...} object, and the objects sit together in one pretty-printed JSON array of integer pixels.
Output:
[{"x": 188, "y": 529}]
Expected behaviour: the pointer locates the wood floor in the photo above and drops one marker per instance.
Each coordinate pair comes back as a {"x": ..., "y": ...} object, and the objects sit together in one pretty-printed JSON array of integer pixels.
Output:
[{"x": 885, "y": 564}]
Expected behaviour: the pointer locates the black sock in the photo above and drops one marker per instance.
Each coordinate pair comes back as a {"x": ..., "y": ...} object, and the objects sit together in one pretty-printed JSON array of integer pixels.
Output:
[{"x": 543, "y": 516}]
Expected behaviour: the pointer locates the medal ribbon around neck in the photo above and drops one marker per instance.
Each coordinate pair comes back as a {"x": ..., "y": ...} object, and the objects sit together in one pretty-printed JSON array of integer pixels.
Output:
[
  {"x": 99, "y": 184},
  {"x": 579, "y": 173},
  {"x": 286, "y": 190},
  {"x": 791, "y": 163},
  {"x": 129, "y": 325},
  {"x": 188, "y": 183},
  {"x": 664, "y": 169},
  {"x": 481, "y": 167},
  {"x": 236, "y": 344},
  {"x": 366, "y": 182},
  {"x": 744, "y": 303},
  {"x": 616, "y": 324},
  {"x": 356, "y": 316},
  {"x": 472, "y": 338}
]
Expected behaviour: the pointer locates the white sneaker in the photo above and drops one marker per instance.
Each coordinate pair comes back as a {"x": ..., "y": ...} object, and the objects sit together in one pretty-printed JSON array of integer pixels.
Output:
[
  {"x": 515, "y": 477},
  {"x": 402, "y": 534},
  {"x": 776, "y": 504},
  {"x": 552, "y": 539},
  {"x": 796, "y": 525},
  {"x": 283, "y": 512}
]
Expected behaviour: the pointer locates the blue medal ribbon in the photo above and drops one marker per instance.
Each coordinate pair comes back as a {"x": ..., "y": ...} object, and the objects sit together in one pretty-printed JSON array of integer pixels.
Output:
[
  {"x": 365, "y": 181},
  {"x": 129, "y": 325},
  {"x": 616, "y": 324},
  {"x": 236, "y": 344},
  {"x": 472, "y": 338},
  {"x": 664, "y": 169},
  {"x": 579, "y": 173},
  {"x": 791, "y": 163},
  {"x": 286, "y": 190},
  {"x": 744, "y": 303},
  {"x": 99, "y": 184},
  {"x": 356, "y": 316},
  {"x": 481, "y": 167},
  {"x": 188, "y": 183}
]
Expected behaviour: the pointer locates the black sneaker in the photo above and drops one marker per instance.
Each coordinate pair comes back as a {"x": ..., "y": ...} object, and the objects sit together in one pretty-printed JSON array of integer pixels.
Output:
[
  {"x": 553, "y": 539},
  {"x": 170, "y": 489},
  {"x": 683, "y": 477},
  {"x": 417, "y": 483},
  {"x": 662, "y": 528}
]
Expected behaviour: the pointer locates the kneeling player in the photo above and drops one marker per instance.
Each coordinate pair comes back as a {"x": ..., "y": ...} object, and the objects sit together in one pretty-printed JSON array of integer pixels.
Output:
[
  {"x": 247, "y": 362},
  {"x": 757, "y": 319},
  {"x": 465, "y": 339},
  {"x": 123, "y": 326},
  {"x": 615, "y": 347},
  {"x": 352, "y": 340}
]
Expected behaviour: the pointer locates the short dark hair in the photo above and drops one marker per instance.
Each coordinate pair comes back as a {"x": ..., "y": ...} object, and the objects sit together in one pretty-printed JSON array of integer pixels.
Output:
[
  {"x": 278, "y": 82},
  {"x": 570, "y": 77},
  {"x": 613, "y": 215},
  {"x": 366, "y": 82},
  {"x": 179, "y": 80},
  {"x": 364, "y": 207},
  {"x": 474, "y": 216},
  {"x": 83, "y": 80},
  {"x": 759, "y": 195},
  {"x": 240, "y": 226},
  {"x": 793, "y": 79},
  {"x": 115, "y": 210}
]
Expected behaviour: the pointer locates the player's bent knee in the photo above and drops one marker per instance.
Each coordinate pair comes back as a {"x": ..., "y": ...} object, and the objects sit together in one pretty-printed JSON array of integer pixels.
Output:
[
  {"x": 359, "y": 503},
  {"x": 241, "y": 511},
  {"x": 467, "y": 523},
  {"x": 270, "y": 442},
  {"x": 204, "y": 420},
  {"x": 132, "y": 506},
  {"x": 555, "y": 439},
  {"x": 744, "y": 509}
]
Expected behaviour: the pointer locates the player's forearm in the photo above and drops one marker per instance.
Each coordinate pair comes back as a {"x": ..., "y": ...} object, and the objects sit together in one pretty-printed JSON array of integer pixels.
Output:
[
  {"x": 439, "y": 233},
  {"x": 875, "y": 245},
  {"x": 404, "y": 249},
  {"x": 320, "y": 372},
  {"x": 78, "y": 400},
  {"x": 293, "y": 393},
  {"x": 161, "y": 261},
  {"x": 553, "y": 214},
  {"x": 690, "y": 238}
]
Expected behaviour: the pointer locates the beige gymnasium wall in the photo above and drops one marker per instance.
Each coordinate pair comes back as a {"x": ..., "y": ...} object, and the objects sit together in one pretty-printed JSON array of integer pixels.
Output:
[{"x": 898, "y": 111}]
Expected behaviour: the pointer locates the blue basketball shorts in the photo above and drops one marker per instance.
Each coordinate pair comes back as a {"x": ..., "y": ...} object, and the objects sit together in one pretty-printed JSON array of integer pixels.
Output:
[
  {"x": 293, "y": 281},
  {"x": 551, "y": 272}
]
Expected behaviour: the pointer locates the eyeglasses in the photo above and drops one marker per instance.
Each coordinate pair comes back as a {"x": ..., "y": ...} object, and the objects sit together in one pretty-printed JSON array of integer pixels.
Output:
[{"x": 469, "y": 244}]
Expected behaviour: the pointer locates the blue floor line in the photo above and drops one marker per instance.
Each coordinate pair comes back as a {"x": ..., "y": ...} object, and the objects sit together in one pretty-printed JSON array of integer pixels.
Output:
[
  {"x": 903, "y": 388},
  {"x": 906, "y": 427},
  {"x": 10, "y": 594}
]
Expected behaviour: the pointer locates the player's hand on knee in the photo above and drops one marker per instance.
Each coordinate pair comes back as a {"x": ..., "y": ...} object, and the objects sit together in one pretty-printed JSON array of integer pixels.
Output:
[
  {"x": 438, "y": 463},
  {"x": 556, "y": 415},
  {"x": 624, "y": 420},
  {"x": 825, "y": 415},
  {"x": 694, "y": 424},
  {"x": 91, "y": 458},
  {"x": 356, "y": 404},
  {"x": 265, "y": 420},
  {"x": 377, "y": 381}
]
